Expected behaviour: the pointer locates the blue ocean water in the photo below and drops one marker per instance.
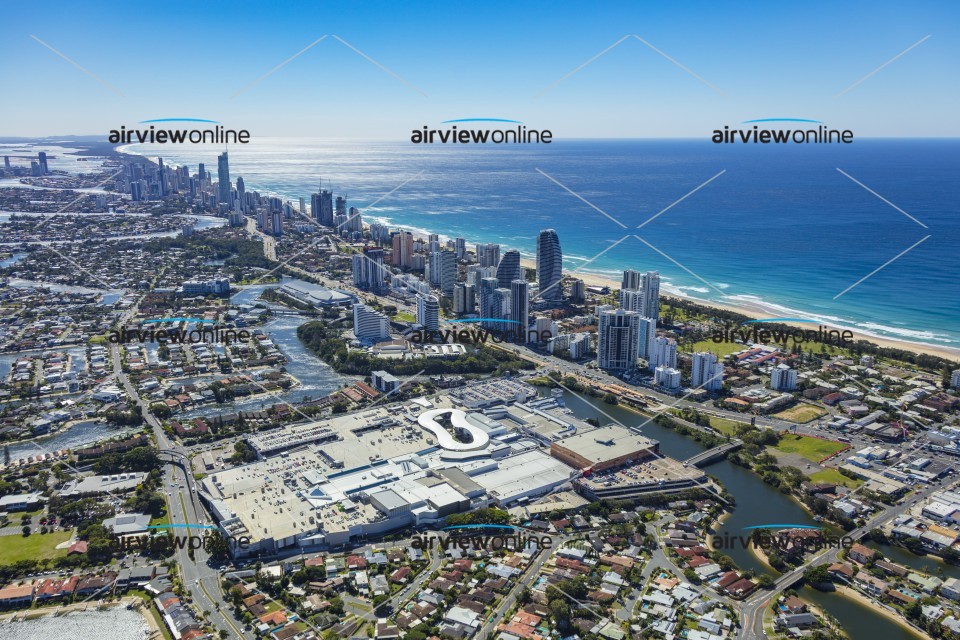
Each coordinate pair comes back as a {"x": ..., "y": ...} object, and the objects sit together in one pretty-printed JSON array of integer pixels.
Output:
[{"x": 781, "y": 230}]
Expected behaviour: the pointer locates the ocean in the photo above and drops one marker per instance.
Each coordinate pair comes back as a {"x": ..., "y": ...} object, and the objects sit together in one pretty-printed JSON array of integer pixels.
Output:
[{"x": 780, "y": 229}]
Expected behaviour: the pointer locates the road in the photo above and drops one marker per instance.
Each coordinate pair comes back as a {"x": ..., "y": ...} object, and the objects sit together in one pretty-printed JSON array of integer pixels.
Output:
[
  {"x": 751, "y": 615},
  {"x": 200, "y": 579},
  {"x": 525, "y": 579}
]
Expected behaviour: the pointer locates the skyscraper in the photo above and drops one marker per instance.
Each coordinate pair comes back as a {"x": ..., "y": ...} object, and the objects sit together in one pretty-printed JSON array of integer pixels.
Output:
[
  {"x": 277, "y": 224},
  {"x": 463, "y": 298},
  {"x": 428, "y": 311},
  {"x": 646, "y": 334},
  {"x": 509, "y": 269},
  {"x": 241, "y": 194},
  {"x": 549, "y": 265},
  {"x": 321, "y": 207},
  {"x": 631, "y": 279},
  {"x": 201, "y": 173},
  {"x": 707, "y": 372},
  {"x": 370, "y": 325},
  {"x": 448, "y": 271},
  {"x": 519, "y": 308},
  {"x": 664, "y": 353},
  {"x": 485, "y": 295},
  {"x": 162, "y": 175},
  {"x": 500, "y": 308},
  {"x": 42, "y": 159},
  {"x": 341, "y": 208},
  {"x": 368, "y": 268},
  {"x": 617, "y": 339},
  {"x": 650, "y": 286},
  {"x": 578, "y": 290},
  {"x": 223, "y": 178},
  {"x": 488, "y": 255},
  {"x": 402, "y": 244},
  {"x": 631, "y": 300},
  {"x": 460, "y": 247}
]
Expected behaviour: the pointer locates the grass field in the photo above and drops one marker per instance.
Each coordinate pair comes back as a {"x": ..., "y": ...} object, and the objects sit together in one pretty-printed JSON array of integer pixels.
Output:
[
  {"x": 812, "y": 449},
  {"x": 719, "y": 348},
  {"x": 800, "y": 413},
  {"x": 834, "y": 476},
  {"x": 403, "y": 316},
  {"x": 36, "y": 546},
  {"x": 725, "y": 426}
]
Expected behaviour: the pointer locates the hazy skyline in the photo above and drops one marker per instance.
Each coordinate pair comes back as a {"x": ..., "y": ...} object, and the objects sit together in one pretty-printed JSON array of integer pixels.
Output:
[{"x": 445, "y": 62}]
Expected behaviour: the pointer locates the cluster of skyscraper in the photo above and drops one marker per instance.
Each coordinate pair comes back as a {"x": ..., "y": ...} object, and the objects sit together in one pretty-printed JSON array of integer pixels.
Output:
[{"x": 628, "y": 334}]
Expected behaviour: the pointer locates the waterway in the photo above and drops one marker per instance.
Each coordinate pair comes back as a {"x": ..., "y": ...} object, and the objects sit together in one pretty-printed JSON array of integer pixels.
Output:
[
  {"x": 758, "y": 503},
  {"x": 316, "y": 378}
]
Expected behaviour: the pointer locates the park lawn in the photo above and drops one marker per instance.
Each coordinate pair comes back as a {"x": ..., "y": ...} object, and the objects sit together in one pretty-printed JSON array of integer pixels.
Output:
[
  {"x": 812, "y": 449},
  {"x": 403, "y": 316},
  {"x": 725, "y": 426},
  {"x": 719, "y": 349},
  {"x": 800, "y": 413},
  {"x": 834, "y": 476},
  {"x": 36, "y": 546}
]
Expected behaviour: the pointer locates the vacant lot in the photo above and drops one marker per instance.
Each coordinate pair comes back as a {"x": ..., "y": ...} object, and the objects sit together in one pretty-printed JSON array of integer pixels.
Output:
[
  {"x": 36, "y": 546},
  {"x": 812, "y": 449},
  {"x": 834, "y": 476},
  {"x": 800, "y": 413}
]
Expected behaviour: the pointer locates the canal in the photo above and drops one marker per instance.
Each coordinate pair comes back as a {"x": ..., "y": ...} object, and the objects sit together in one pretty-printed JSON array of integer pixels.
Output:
[{"x": 757, "y": 503}]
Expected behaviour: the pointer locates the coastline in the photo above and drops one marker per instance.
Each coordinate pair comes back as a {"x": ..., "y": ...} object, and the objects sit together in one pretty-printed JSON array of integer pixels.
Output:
[
  {"x": 762, "y": 311},
  {"x": 756, "y": 311}
]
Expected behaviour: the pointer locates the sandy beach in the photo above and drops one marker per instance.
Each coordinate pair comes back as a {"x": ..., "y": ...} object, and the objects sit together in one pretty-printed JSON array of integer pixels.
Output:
[{"x": 760, "y": 311}]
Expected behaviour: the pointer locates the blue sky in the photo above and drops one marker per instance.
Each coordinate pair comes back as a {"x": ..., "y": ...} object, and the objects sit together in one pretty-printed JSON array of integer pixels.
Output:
[{"x": 187, "y": 59}]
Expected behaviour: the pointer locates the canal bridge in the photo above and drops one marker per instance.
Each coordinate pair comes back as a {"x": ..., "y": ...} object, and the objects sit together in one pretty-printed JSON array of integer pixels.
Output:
[{"x": 712, "y": 455}]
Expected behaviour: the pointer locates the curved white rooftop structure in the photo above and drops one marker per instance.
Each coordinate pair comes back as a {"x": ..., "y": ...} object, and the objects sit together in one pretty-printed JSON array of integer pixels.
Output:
[{"x": 458, "y": 417}]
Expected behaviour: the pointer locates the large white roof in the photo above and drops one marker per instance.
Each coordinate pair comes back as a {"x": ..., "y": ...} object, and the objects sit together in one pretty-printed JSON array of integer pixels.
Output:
[{"x": 458, "y": 417}]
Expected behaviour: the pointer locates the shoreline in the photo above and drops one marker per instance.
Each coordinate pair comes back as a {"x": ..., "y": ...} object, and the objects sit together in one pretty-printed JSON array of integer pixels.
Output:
[
  {"x": 765, "y": 310},
  {"x": 758, "y": 310},
  {"x": 853, "y": 594}
]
